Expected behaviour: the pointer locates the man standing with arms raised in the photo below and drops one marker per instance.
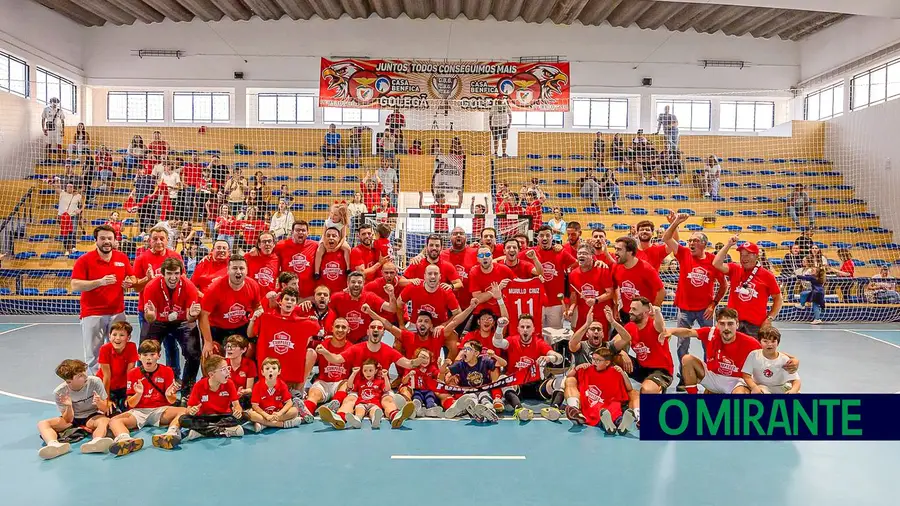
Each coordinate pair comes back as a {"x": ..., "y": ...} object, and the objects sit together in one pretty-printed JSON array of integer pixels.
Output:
[
  {"x": 102, "y": 276},
  {"x": 751, "y": 287},
  {"x": 653, "y": 254}
]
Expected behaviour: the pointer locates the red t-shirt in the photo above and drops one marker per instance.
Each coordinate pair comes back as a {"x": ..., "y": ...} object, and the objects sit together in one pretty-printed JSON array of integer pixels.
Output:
[
  {"x": 151, "y": 260},
  {"x": 649, "y": 353},
  {"x": 370, "y": 391},
  {"x": 345, "y": 307},
  {"x": 251, "y": 229},
  {"x": 438, "y": 304},
  {"x": 298, "y": 258},
  {"x": 226, "y": 225},
  {"x": 191, "y": 173},
  {"x": 525, "y": 296},
  {"x": 334, "y": 271},
  {"x": 590, "y": 285},
  {"x": 642, "y": 280},
  {"x": 726, "y": 359},
  {"x": 270, "y": 400},
  {"x": 213, "y": 402},
  {"x": 117, "y": 228},
  {"x": 167, "y": 301},
  {"x": 572, "y": 249},
  {"x": 440, "y": 224},
  {"x": 246, "y": 370},
  {"x": 229, "y": 308},
  {"x": 425, "y": 377},
  {"x": 118, "y": 363},
  {"x": 487, "y": 342},
  {"x": 383, "y": 246},
  {"x": 207, "y": 271},
  {"x": 751, "y": 301},
  {"x": 653, "y": 255},
  {"x": 355, "y": 355},
  {"x": 377, "y": 287},
  {"x": 554, "y": 265},
  {"x": 162, "y": 378},
  {"x": 285, "y": 339},
  {"x": 848, "y": 267},
  {"x": 480, "y": 281},
  {"x": 103, "y": 300},
  {"x": 365, "y": 257},
  {"x": 600, "y": 388},
  {"x": 523, "y": 269},
  {"x": 525, "y": 357},
  {"x": 329, "y": 372},
  {"x": 462, "y": 261},
  {"x": 412, "y": 341},
  {"x": 536, "y": 211},
  {"x": 696, "y": 280},
  {"x": 417, "y": 271},
  {"x": 263, "y": 269}
]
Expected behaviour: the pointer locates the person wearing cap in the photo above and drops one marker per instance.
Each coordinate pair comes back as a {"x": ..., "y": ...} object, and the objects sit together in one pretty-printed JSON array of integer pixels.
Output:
[
  {"x": 751, "y": 287},
  {"x": 53, "y": 122}
]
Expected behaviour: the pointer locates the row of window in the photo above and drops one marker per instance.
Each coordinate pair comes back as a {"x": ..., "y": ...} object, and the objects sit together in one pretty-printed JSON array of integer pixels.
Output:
[
  {"x": 15, "y": 78},
  {"x": 874, "y": 86}
]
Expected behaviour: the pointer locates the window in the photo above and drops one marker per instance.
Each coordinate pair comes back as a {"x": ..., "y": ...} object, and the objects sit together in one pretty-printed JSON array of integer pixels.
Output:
[
  {"x": 134, "y": 106},
  {"x": 50, "y": 85},
  {"x": 605, "y": 113},
  {"x": 13, "y": 75},
  {"x": 537, "y": 119},
  {"x": 825, "y": 104},
  {"x": 746, "y": 116},
  {"x": 286, "y": 108},
  {"x": 875, "y": 86},
  {"x": 347, "y": 116},
  {"x": 201, "y": 107},
  {"x": 691, "y": 114}
]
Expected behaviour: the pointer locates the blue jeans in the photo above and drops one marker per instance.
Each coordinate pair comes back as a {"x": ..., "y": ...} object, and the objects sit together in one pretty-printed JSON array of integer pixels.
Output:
[
  {"x": 686, "y": 320},
  {"x": 169, "y": 344},
  {"x": 671, "y": 135},
  {"x": 816, "y": 309}
]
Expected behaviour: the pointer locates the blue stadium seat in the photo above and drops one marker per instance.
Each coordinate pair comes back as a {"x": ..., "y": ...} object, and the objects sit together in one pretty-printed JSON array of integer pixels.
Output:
[
  {"x": 657, "y": 197},
  {"x": 85, "y": 237},
  {"x": 756, "y": 228},
  {"x": 350, "y": 179},
  {"x": 878, "y": 230},
  {"x": 563, "y": 195},
  {"x": 263, "y": 165},
  {"x": 212, "y": 152},
  {"x": 317, "y": 223},
  {"x": 351, "y": 165},
  {"x": 280, "y": 178},
  {"x": 304, "y": 178},
  {"x": 787, "y": 173},
  {"x": 5, "y": 291},
  {"x": 739, "y": 198},
  {"x": 38, "y": 238},
  {"x": 748, "y": 212},
  {"x": 767, "y": 172},
  {"x": 879, "y": 262},
  {"x": 841, "y": 214},
  {"x": 853, "y": 230},
  {"x": 622, "y": 170},
  {"x": 775, "y": 261},
  {"x": 830, "y": 200},
  {"x": 730, "y": 184},
  {"x": 554, "y": 157},
  {"x": 746, "y": 172},
  {"x": 726, "y": 172},
  {"x": 693, "y": 227},
  {"x": 855, "y": 201},
  {"x": 557, "y": 169},
  {"x": 301, "y": 193},
  {"x": 724, "y": 212},
  {"x": 834, "y": 263},
  {"x": 820, "y": 162},
  {"x": 866, "y": 215},
  {"x": 819, "y": 187},
  {"x": 580, "y": 170},
  {"x": 329, "y": 165},
  {"x": 347, "y": 193},
  {"x": 781, "y": 228},
  {"x": 50, "y": 221},
  {"x": 629, "y": 183},
  {"x": 733, "y": 228},
  {"x": 799, "y": 160},
  {"x": 633, "y": 196},
  {"x": 662, "y": 211},
  {"x": 639, "y": 211},
  {"x": 770, "y": 213},
  {"x": 621, "y": 226},
  {"x": 328, "y": 179},
  {"x": 536, "y": 168},
  {"x": 267, "y": 152},
  {"x": 596, "y": 225},
  {"x": 542, "y": 181},
  {"x": 30, "y": 292},
  {"x": 241, "y": 165},
  {"x": 320, "y": 207},
  {"x": 25, "y": 255},
  {"x": 787, "y": 244},
  {"x": 687, "y": 211},
  {"x": 693, "y": 159},
  {"x": 533, "y": 156},
  {"x": 754, "y": 186},
  {"x": 47, "y": 191},
  {"x": 651, "y": 183},
  {"x": 717, "y": 199},
  {"x": 308, "y": 165},
  {"x": 568, "y": 210},
  {"x": 56, "y": 292},
  {"x": 560, "y": 181},
  {"x": 323, "y": 193},
  {"x": 680, "y": 197},
  {"x": 865, "y": 245},
  {"x": 891, "y": 246},
  {"x": 592, "y": 210},
  {"x": 112, "y": 205},
  {"x": 778, "y": 160},
  {"x": 767, "y": 244},
  {"x": 617, "y": 211},
  {"x": 297, "y": 207},
  {"x": 576, "y": 156},
  {"x": 286, "y": 165},
  {"x": 121, "y": 191},
  {"x": 762, "y": 199},
  {"x": 830, "y": 229},
  {"x": 735, "y": 159}
]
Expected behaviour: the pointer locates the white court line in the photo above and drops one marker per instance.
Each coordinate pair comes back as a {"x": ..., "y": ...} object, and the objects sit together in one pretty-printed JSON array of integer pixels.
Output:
[
  {"x": 457, "y": 457},
  {"x": 26, "y": 398},
  {"x": 40, "y": 323},
  {"x": 872, "y": 338},
  {"x": 24, "y": 326}
]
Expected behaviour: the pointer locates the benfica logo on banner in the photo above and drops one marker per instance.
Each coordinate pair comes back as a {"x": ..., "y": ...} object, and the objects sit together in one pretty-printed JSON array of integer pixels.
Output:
[
  {"x": 423, "y": 84},
  {"x": 285, "y": 341},
  {"x": 507, "y": 381}
]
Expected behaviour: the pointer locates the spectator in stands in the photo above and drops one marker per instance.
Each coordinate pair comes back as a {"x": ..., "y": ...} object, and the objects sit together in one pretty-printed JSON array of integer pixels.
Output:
[
  {"x": 115, "y": 223},
  {"x": 282, "y": 221},
  {"x": 172, "y": 182},
  {"x": 81, "y": 144},
  {"x": 804, "y": 242},
  {"x": 619, "y": 152},
  {"x": 557, "y": 224},
  {"x": 499, "y": 121},
  {"x": 668, "y": 123},
  {"x": 53, "y": 123},
  {"x": 712, "y": 175},
  {"x": 355, "y": 143},
  {"x": 158, "y": 146},
  {"x": 356, "y": 209},
  {"x": 843, "y": 274},
  {"x": 136, "y": 152},
  {"x": 68, "y": 211},
  {"x": 332, "y": 147},
  {"x": 184, "y": 237},
  {"x": 105, "y": 168},
  {"x": 456, "y": 147},
  {"x": 212, "y": 207},
  {"x": 672, "y": 166},
  {"x": 258, "y": 191},
  {"x": 218, "y": 171},
  {"x": 225, "y": 225},
  {"x": 250, "y": 225},
  {"x": 815, "y": 295},
  {"x": 609, "y": 186},
  {"x": 718, "y": 247},
  {"x": 88, "y": 176},
  {"x": 416, "y": 147},
  {"x": 640, "y": 144},
  {"x": 589, "y": 187},
  {"x": 389, "y": 146},
  {"x": 882, "y": 292},
  {"x": 191, "y": 184},
  {"x": 799, "y": 205},
  {"x": 790, "y": 265},
  {"x": 236, "y": 191},
  {"x": 435, "y": 148},
  {"x": 395, "y": 121},
  {"x": 816, "y": 257},
  {"x": 599, "y": 150}
]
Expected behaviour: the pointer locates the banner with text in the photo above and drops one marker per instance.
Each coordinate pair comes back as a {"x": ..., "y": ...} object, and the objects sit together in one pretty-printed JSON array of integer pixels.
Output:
[{"x": 423, "y": 84}]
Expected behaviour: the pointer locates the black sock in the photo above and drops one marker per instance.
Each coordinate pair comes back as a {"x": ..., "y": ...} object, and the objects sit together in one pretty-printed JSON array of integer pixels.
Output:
[
  {"x": 556, "y": 400},
  {"x": 513, "y": 399}
]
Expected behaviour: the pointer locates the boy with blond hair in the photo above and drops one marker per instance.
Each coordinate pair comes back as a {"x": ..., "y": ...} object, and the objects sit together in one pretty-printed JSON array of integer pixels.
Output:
[
  {"x": 271, "y": 401},
  {"x": 82, "y": 403}
]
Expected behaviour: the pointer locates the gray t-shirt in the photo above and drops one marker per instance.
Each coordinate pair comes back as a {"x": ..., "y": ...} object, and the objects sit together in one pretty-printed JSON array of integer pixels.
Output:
[
  {"x": 583, "y": 355},
  {"x": 82, "y": 400}
]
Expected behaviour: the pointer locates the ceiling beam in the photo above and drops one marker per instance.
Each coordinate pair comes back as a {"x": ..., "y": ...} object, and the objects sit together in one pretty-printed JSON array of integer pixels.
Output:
[
  {"x": 476, "y": 9},
  {"x": 203, "y": 9},
  {"x": 658, "y": 15},
  {"x": 694, "y": 12},
  {"x": 565, "y": 12},
  {"x": 415, "y": 9},
  {"x": 447, "y": 9},
  {"x": 627, "y": 14},
  {"x": 171, "y": 9},
  {"x": 73, "y": 12},
  {"x": 265, "y": 9},
  {"x": 502, "y": 10},
  {"x": 729, "y": 15},
  {"x": 234, "y": 9},
  {"x": 753, "y": 20},
  {"x": 296, "y": 9},
  {"x": 536, "y": 12},
  {"x": 139, "y": 10},
  {"x": 875, "y": 8},
  {"x": 598, "y": 11},
  {"x": 820, "y": 23},
  {"x": 793, "y": 18},
  {"x": 384, "y": 8},
  {"x": 106, "y": 11}
]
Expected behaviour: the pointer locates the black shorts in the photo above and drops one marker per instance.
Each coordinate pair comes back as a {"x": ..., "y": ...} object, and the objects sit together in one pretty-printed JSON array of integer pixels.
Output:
[
  {"x": 117, "y": 397},
  {"x": 82, "y": 422},
  {"x": 749, "y": 329},
  {"x": 219, "y": 334},
  {"x": 659, "y": 376},
  {"x": 500, "y": 132},
  {"x": 244, "y": 400}
]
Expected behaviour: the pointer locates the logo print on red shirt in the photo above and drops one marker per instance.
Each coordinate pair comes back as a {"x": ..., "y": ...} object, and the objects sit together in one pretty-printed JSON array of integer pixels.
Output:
[
  {"x": 629, "y": 290},
  {"x": 236, "y": 313},
  {"x": 589, "y": 292},
  {"x": 332, "y": 271},
  {"x": 354, "y": 319},
  {"x": 549, "y": 271},
  {"x": 641, "y": 350},
  {"x": 281, "y": 342},
  {"x": 265, "y": 277},
  {"x": 594, "y": 395},
  {"x": 299, "y": 263},
  {"x": 698, "y": 277}
]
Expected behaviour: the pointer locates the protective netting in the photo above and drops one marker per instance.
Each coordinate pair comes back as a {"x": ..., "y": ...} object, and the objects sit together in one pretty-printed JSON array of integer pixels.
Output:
[{"x": 443, "y": 163}]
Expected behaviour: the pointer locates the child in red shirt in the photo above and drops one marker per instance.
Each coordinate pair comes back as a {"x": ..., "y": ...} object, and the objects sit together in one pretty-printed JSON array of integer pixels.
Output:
[
  {"x": 422, "y": 381},
  {"x": 241, "y": 368},
  {"x": 117, "y": 358},
  {"x": 369, "y": 387},
  {"x": 271, "y": 401}
]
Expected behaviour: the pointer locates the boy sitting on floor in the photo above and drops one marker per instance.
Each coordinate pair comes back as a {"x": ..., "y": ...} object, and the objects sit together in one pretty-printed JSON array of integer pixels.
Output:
[
  {"x": 117, "y": 358},
  {"x": 152, "y": 391},
  {"x": 763, "y": 370},
  {"x": 272, "y": 405},
  {"x": 82, "y": 402}
]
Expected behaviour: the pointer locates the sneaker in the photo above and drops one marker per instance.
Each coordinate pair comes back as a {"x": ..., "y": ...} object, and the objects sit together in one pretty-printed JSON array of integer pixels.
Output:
[
  {"x": 816, "y": 322},
  {"x": 353, "y": 421},
  {"x": 523, "y": 414},
  {"x": 607, "y": 421},
  {"x": 125, "y": 446},
  {"x": 329, "y": 417},
  {"x": 192, "y": 435},
  {"x": 293, "y": 422},
  {"x": 575, "y": 415},
  {"x": 304, "y": 415},
  {"x": 484, "y": 413},
  {"x": 333, "y": 405},
  {"x": 499, "y": 407},
  {"x": 420, "y": 409},
  {"x": 54, "y": 449},
  {"x": 402, "y": 415},
  {"x": 706, "y": 195},
  {"x": 551, "y": 413},
  {"x": 459, "y": 407},
  {"x": 236, "y": 431},
  {"x": 376, "y": 418},
  {"x": 97, "y": 445},
  {"x": 257, "y": 427},
  {"x": 626, "y": 421},
  {"x": 434, "y": 412},
  {"x": 169, "y": 441}
]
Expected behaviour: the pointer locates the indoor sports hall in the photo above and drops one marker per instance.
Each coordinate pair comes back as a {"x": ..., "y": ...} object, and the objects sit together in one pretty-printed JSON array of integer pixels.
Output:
[{"x": 762, "y": 131}]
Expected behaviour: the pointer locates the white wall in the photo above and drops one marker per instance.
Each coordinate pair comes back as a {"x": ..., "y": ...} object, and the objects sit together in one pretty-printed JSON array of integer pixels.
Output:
[
  {"x": 863, "y": 145},
  {"x": 845, "y": 42}
]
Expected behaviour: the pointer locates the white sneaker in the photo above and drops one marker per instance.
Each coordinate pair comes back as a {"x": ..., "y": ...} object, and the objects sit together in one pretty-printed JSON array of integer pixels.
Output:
[
  {"x": 54, "y": 449},
  {"x": 706, "y": 195},
  {"x": 551, "y": 413},
  {"x": 192, "y": 434},
  {"x": 625, "y": 424},
  {"x": 293, "y": 422},
  {"x": 607, "y": 421},
  {"x": 420, "y": 409},
  {"x": 353, "y": 421},
  {"x": 460, "y": 406},
  {"x": 257, "y": 427},
  {"x": 376, "y": 418},
  {"x": 97, "y": 445},
  {"x": 435, "y": 412},
  {"x": 236, "y": 431},
  {"x": 816, "y": 322}
]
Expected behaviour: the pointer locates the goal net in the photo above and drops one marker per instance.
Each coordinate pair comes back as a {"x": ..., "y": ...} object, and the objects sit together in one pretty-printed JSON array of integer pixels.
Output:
[{"x": 439, "y": 170}]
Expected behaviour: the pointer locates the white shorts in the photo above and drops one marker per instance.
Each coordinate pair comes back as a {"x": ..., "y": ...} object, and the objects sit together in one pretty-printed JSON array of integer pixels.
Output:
[
  {"x": 148, "y": 416},
  {"x": 719, "y": 384},
  {"x": 328, "y": 389}
]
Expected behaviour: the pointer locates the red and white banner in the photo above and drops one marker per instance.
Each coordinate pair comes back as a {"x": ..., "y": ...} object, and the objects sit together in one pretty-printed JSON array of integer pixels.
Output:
[{"x": 423, "y": 84}]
